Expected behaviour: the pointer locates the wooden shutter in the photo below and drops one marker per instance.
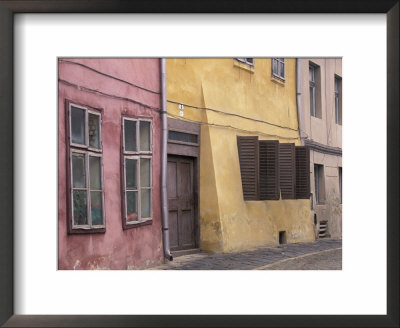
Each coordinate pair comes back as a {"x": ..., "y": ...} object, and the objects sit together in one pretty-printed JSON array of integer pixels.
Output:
[
  {"x": 248, "y": 159},
  {"x": 302, "y": 172},
  {"x": 269, "y": 169},
  {"x": 287, "y": 170}
]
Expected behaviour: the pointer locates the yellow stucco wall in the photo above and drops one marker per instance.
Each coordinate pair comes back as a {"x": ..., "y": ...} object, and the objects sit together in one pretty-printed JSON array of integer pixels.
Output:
[{"x": 227, "y": 222}]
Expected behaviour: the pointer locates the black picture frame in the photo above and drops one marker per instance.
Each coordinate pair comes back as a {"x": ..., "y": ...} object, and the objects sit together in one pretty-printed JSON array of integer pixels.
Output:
[{"x": 7, "y": 11}]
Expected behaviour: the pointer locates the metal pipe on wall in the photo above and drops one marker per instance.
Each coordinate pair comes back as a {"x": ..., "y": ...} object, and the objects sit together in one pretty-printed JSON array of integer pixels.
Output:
[
  {"x": 164, "y": 139},
  {"x": 298, "y": 99}
]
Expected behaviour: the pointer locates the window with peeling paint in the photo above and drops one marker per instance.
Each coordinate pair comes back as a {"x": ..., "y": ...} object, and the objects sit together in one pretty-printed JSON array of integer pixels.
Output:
[
  {"x": 85, "y": 164},
  {"x": 137, "y": 171}
]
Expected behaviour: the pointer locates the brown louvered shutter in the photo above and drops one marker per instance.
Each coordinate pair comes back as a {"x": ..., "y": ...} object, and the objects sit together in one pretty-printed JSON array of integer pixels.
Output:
[
  {"x": 248, "y": 159},
  {"x": 287, "y": 170},
  {"x": 302, "y": 172},
  {"x": 269, "y": 169}
]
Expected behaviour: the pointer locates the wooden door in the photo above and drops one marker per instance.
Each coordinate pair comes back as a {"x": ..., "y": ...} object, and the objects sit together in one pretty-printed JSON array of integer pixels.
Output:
[{"x": 181, "y": 218}]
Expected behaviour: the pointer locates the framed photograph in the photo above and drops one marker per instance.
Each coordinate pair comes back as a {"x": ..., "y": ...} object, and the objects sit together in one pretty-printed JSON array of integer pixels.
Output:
[{"x": 61, "y": 178}]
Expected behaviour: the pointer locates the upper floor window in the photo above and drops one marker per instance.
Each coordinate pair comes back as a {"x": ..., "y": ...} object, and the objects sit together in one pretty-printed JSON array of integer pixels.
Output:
[
  {"x": 338, "y": 99},
  {"x": 137, "y": 172},
  {"x": 86, "y": 192},
  {"x": 278, "y": 68},
  {"x": 315, "y": 91},
  {"x": 248, "y": 61}
]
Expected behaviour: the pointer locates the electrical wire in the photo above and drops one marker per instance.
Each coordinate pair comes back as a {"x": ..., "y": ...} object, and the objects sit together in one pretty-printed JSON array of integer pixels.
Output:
[
  {"x": 232, "y": 127},
  {"x": 232, "y": 114},
  {"x": 79, "y": 87},
  {"x": 107, "y": 75}
]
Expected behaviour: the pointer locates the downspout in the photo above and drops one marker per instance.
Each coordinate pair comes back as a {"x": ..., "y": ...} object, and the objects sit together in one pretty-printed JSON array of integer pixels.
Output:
[
  {"x": 164, "y": 139},
  {"x": 298, "y": 100},
  {"x": 302, "y": 134}
]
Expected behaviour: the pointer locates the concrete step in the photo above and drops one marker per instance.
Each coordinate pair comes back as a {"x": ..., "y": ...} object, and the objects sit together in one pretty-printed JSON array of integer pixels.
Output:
[{"x": 185, "y": 252}]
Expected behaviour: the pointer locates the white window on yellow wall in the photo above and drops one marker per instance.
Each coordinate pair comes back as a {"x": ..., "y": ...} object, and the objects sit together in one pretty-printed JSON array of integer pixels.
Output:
[
  {"x": 278, "y": 68},
  {"x": 248, "y": 61}
]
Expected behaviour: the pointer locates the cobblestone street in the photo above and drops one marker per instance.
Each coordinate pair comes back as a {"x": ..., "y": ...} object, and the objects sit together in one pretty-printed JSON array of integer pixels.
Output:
[{"x": 324, "y": 254}]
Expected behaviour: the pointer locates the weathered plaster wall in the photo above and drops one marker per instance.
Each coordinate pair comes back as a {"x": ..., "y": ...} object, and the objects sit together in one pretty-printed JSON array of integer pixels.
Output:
[
  {"x": 227, "y": 222},
  {"x": 116, "y": 248},
  {"x": 326, "y": 131}
]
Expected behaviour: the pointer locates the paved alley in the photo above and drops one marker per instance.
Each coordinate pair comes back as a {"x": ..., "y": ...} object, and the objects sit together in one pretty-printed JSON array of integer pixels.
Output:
[{"x": 324, "y": 254}]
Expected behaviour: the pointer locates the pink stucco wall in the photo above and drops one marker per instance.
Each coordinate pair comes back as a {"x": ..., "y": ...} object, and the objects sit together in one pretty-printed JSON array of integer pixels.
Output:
[{"x": 138, "y": 247}]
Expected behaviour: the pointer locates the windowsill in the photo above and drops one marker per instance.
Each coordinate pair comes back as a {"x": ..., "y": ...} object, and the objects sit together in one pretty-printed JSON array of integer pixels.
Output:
[
  {"x": 135, "y": 224},
  {"x": 246, "y": 67},
  {"x": 320, "y": 118},
  {"x": 277, "y": 80},
  {"x": 86, "y": 230}
]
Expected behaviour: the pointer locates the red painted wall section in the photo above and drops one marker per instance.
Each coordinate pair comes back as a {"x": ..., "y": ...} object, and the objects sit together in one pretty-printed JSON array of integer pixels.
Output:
[{"x": 88, "y": 82}]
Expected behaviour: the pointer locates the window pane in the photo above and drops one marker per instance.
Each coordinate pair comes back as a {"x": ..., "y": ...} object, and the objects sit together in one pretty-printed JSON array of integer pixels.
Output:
[
  {"x": 282, "y": 70},
  {"x": 80, "y": 207},
  {"x": 312, "y": 101},
  {"x": 95, "y": 172},
  {"x": 131, "y": 206},
  {"x": 78, "y": 125},
  {"x": 311, "y": 72},
  {"x": 130, "y": 135},
  {"x": 130, "y": 173},
  {"x": 78, "y": 171},
  {"x": 182, "y": 136},
  {"x": 144, "y": 135},
  {"x": 145, "y": 172},
  {"x": 274, "y": 66},
  {"x": 94, "y": 131},
  {"x": 146, "y": 201},
  {"x": 96, "y": 207}
]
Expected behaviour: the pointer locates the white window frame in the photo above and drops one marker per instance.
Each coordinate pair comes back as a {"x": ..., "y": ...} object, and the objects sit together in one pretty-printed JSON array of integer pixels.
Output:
[
  {"x": 87, "y": 151},
  {"x": 137, "y": 122},
  {"x": 245, "y": 61},
  {"x": 138, "y": 155},
  {"x": 87, "y": 112},
  {"x": 279, "y": 74}
]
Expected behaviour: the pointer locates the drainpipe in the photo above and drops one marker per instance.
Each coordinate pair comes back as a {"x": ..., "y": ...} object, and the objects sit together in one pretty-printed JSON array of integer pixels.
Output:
[
  {"x": 164, "y": 197},
  {"x": 298, "y": 100}
]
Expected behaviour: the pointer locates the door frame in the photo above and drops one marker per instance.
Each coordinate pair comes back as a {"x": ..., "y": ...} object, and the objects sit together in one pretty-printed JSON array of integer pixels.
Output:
[{"x": 192, "y": 150}]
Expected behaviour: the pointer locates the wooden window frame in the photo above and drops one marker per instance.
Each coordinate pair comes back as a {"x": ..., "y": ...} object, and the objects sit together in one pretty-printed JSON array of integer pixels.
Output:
[
  {"x": 279, "y": 74},
  {"x": 138, "y": 155},
  {"x": 87, "y": 151},
  {"x": 183, "y": 142},
  {"x": 338, "y": 99},
  {"x": 289, "y": 165},
  {"x": 249, "y": 193},
  {"x": 302, "y": 172},
  {"x": 263, "y": 191}
]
